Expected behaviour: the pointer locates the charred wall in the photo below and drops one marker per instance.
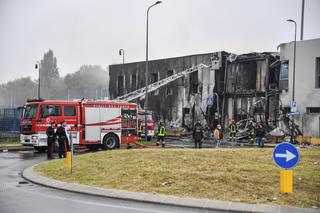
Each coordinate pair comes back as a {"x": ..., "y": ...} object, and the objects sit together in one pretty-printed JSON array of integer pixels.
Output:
[
  {"x": 252, "y": 88},
  {"x": 182, "y": 101}
]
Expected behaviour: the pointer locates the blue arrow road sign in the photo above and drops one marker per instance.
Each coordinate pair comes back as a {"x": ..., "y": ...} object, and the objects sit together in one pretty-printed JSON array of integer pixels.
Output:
[{"x": 286, "y": 155}]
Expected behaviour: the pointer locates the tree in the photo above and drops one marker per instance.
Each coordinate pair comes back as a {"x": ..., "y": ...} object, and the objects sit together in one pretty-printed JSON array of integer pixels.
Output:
[
  {"x": 15, "y": 93},
  {"x": 90, "y": 81},
  {"x": 49, "y": 75}
]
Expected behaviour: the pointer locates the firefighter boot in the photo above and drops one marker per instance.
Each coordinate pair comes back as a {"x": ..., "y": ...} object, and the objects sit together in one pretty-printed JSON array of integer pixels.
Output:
[{"x": 163, "y": 144}]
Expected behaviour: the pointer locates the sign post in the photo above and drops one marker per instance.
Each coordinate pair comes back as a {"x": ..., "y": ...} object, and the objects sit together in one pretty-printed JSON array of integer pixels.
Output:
[
  {"x": 210, "y": 100},
  {"x": 70, "y": 155},
  {"x": 294, "y": 107},
  {"x": 286, "y": 156}
]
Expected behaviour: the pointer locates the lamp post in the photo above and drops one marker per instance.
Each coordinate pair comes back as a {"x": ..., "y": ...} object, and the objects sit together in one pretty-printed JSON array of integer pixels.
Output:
[
  {"x": 121, "y": 52},
  {"x": 294, "y": 72},
  {"x": 302, "y": 20},
  {"x": 37, "y": 66},
  {"x": 147, "y": 71}
]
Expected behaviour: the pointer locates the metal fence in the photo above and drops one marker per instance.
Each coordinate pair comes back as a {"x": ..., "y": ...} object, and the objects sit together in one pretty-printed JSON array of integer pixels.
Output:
[{"x": 9, "y": 119}]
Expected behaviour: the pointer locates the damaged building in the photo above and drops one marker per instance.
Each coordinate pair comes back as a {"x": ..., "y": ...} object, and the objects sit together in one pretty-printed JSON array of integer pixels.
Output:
[
  {"x": 251, "y": 85},
  {"x": 250, "y": 82},
  {"x": 181, "y": 102}
]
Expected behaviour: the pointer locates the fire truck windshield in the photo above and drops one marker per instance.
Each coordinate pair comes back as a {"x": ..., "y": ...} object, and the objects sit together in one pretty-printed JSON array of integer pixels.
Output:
[
  {"x": 142, "y": 117},
  {"x": 49, "y": 110},
  {"x": 30, "y": 111}
]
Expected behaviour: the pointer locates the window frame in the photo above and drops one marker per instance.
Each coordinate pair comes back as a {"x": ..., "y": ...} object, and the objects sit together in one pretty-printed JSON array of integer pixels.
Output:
[
  {"x": 64, "y": 110},
  {"x": 152, "y": 77},
  {"x": 309, "y": 109},
  {"x": 50, "y": 115},
  {"x": 282, "y": 63},
  {"x": 317, "y": 73},
  {"x": 133, "y": 81}
]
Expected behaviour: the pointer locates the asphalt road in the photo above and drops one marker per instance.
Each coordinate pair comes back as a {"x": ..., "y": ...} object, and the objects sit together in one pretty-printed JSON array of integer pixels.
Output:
[{"x": 18, "y": 195}]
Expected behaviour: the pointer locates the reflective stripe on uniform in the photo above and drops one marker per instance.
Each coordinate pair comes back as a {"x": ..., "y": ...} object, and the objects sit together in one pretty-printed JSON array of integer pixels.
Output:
[
  {"x": 233, "y": 128},
  {"x": 162, "y": 131}
]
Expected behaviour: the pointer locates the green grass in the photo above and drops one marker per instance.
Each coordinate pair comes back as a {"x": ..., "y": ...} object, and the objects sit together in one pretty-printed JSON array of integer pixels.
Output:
[
  {"x": 17, "y": 147},
  {"x": 10, "y": 141},
  {"x": 241, "y": 175},
  {"x": 147, "y": 143}
]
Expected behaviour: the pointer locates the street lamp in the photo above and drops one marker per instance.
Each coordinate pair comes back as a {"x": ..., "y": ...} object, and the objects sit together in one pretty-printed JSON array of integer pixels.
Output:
[
  {"x": 121, "y": 52},
  {"x": 37, "y": 66},
  {"x": 147, "y": 71},
  {"x": 294, "y": 72}
]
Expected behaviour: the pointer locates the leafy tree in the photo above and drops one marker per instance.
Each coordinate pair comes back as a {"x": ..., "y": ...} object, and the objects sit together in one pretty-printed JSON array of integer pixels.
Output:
[
  {"x": 49, "y": 75},
  {"x": 15, "y": 93},
  {"x": 90, "y": 81}
]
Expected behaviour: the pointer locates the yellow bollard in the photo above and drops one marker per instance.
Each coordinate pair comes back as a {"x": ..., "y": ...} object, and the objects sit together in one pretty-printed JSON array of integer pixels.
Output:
[
  {"x": 286, "y": 181},
  {"x": 68, "y": 160}
]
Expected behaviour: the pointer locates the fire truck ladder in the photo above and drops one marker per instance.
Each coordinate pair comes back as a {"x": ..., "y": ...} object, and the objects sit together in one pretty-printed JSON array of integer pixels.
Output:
[{"x": 154, "y": 86}]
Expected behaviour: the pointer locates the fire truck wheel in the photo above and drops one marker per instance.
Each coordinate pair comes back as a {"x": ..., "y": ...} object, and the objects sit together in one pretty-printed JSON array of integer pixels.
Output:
[{"x": 110, "y": 141}]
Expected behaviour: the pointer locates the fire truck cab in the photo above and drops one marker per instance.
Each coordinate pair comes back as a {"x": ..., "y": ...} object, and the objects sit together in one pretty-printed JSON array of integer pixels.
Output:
[
  {"x": 95, "y": 124},
  {"x": 142, "y": 116}
]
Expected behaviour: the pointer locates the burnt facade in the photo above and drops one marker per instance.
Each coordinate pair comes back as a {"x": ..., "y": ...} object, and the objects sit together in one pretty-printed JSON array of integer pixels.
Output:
[
  {"x": 252, "y": 88},
  {"x": 240, "y": 86}
]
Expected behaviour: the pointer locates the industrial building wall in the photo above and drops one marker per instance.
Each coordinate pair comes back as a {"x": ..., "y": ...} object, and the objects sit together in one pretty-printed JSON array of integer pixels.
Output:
[
  {"x": 181, "y": 101},
  {"x": 307, "y": 93}
]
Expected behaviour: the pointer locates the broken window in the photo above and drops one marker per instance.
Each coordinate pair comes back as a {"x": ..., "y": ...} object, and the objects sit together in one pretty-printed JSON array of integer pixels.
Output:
[
  {"x": 120, "y": 85},
  {"x": 194, "y": 82},
  {"x": 169, "y": 90},
  {"x": 245, "y": 76},
  {"x": 170, "y": 73},
  {"x": 317, "y": 72},
  {"x": 284, "y": 75},
  {"x": 154, "y": 77},
  {"x": 133, "y": 82},
  {"x": 312, "y": 110}
]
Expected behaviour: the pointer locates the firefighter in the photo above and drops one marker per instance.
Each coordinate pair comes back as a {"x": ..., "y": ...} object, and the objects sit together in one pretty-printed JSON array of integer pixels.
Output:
[
  {"x": 218, "y": 135},
  {"x": 139, "y": 128},
  {"x": 233, "y": 130},
  {"x": 198, "y": 135},
  {"x": 251, "y": 132},
  {"x": 51, "y": 139},
  {"x": 161, "y": 135},
  {"x": 62, "y": 140}
]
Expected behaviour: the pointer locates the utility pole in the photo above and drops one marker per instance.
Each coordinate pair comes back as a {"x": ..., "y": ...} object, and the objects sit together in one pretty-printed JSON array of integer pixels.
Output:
[
  {"x": 302, "y": 20},
  {"x": 147, "y": 70},
  {"x": 293, "y": 73},
  {"x": 121, "y": 52},
  {"x": 37, "y": 66}
]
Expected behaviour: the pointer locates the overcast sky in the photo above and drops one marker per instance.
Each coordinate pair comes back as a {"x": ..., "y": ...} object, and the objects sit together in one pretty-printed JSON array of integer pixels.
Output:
[{"x": 92, "y": 31}]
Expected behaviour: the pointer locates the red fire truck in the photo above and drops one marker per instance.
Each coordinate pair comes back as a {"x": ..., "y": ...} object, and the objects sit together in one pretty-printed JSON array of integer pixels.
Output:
[
  {"x": 150, "y": 123},
  {"x": 95, "y": 124}
]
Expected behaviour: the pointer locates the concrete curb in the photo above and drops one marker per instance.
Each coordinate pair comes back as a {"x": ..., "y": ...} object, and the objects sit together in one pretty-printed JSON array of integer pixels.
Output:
[{"x": 31, "y": 176}]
